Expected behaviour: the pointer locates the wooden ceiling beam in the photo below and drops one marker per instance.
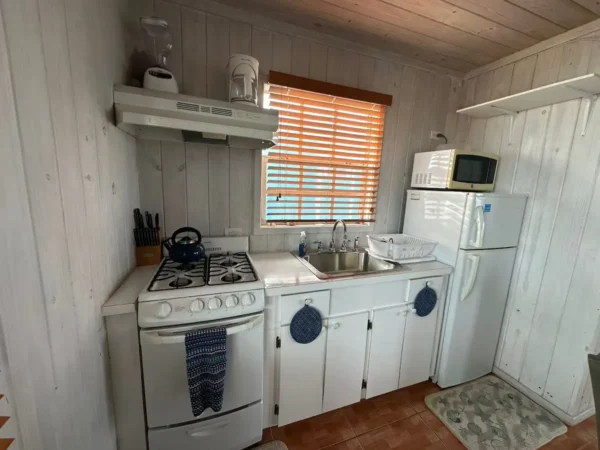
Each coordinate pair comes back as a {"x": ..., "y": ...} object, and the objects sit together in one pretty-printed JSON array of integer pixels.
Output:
[
  {"x": 512, "y": 16},
  {"x": 590, "y": 5},
  {"x": 566, "y": 13}
]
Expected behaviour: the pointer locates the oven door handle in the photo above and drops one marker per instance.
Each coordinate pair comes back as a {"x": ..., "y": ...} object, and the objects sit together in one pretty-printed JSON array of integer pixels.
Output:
[{"x": 163, "y": 337}]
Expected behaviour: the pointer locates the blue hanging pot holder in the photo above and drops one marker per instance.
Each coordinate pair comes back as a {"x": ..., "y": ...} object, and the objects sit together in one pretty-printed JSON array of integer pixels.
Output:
[
  {"x": 425, "y": 301},
  {"x": 306, "y": 325}
]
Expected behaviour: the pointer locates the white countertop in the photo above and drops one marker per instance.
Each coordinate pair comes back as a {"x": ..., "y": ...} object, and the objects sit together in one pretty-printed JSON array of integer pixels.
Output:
[{"x": 283, "y": 274}]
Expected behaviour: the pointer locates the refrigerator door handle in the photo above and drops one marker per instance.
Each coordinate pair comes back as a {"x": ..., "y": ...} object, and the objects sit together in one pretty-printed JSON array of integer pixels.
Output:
[
  {"x": 480, "y": 222},
  {"x": 468, "y": 287}
]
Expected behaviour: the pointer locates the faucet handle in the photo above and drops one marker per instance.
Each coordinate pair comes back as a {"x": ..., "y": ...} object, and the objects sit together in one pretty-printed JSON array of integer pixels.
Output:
[
  {"x": 356, "y": 243},
  {"x": 319, "y": 246},
  {"x": 332, "y": 246}
]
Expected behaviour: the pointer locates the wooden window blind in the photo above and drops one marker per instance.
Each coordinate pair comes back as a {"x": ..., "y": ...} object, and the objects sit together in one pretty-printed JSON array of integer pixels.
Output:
[{"x": 325, "y": 164}]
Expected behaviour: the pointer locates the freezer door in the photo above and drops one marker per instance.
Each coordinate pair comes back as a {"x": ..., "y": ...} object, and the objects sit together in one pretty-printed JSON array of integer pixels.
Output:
[
  {"x": 475, "y": 308},
  {"x": 492, "y": 221},
  {"x": 436, "y": 216}
]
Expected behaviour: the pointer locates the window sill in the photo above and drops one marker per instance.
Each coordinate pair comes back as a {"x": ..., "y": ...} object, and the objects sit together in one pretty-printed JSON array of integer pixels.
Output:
[{"x": 310, "y": 229}]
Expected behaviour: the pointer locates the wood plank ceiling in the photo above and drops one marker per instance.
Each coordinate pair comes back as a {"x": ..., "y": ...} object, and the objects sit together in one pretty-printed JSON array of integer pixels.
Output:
[{"x": 455, "y": 34}]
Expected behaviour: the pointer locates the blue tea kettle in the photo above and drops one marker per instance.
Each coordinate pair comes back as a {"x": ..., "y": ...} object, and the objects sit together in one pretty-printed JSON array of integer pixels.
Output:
[{"x": 186, "y": 249}]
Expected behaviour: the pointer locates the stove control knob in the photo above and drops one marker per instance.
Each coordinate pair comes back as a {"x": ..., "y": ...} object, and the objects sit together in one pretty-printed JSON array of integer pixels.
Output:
[
  {"x": 232, "y": 301},
  {"x": 248, "y": 299},
  {"x": 196, "y": 306},
  {"x": 163, "y": 310},
  {"x": 215, "y": 303}
]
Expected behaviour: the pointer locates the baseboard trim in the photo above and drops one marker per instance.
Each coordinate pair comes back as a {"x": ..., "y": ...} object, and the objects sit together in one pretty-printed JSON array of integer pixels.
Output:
[{"x": 563, "y": 416}]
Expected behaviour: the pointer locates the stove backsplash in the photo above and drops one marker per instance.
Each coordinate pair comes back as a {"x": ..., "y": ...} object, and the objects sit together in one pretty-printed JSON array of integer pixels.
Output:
[{"x": 210, "y": 188}]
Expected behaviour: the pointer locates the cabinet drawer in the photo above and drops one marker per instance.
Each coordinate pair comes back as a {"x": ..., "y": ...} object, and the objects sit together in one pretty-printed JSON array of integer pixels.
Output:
[{"x": 291, "y": 304}]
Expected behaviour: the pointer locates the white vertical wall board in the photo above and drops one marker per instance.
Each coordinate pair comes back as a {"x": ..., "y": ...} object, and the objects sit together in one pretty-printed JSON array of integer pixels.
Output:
[
  {"x": 563, "y": 252},
  {"x": 466, "y": 98},
  {"x": 483, "y": 91},
  {"x": 174, "y": 186},
  {"x": 501, "y": 81},
  {"x": 217, "y": 56},
  {"x": 543, "y": 207},
  {"x": 240, "y": 38},
  {"x": 318, "y": 62},
  {"x": 22, "y": 307},
  {"x": 439, "y": 108},
  {"x": 384, "y": 78},
  {"x": 172, "y": 14},
  {"x": 149, "y": 164},
  {"x": 193, "y": 47},
  {"x": 509, "y": 154},
  {"x": 594, "y": 62},
  {"x": 338, "y": 62},
  {"x": 198, "y": 187},
  {"x": 575, "y": 59},
  {"x": 569, "y": 361},
  {"x": 45, "y": 199},
  {"x": 526, "y": 177},
  {"x": 495, "y": 127},
  {"x": 583, "y": 398},
  {"x": 300, "y": 57},
  {"x": 523, "y": 75},
  {"x": 241, "y": 168},
  {"x": 262, "y": 50},
  {"x": 282, "y": 53},
  {"x": 366, "y": 73},
  {"x": 218, "y": 182},
  {"x": 547, "y": 67},
  {"x": 453, "y": 106},
  {"x": 406, "y": 89},
  {"x": 258, "y": 243},
  {"x": 275, "y": 242}
]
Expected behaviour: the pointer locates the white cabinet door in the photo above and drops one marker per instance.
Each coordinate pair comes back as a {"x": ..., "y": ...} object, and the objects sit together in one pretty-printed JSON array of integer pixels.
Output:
[
  {"x": 386, "y": 350},
  {"x": 420, "y": 336},
  {"x": 344, "y": 368},
  {"x": 300, "y": 377}
]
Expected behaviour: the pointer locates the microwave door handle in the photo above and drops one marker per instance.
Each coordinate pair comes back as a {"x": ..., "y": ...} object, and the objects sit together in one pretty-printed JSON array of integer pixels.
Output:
[
  {"x": 480, "y": 228},
  {"x": 468, "y": 287},
  {"x": 161, "y": 337},
  {"x": 208, "y": 430}
]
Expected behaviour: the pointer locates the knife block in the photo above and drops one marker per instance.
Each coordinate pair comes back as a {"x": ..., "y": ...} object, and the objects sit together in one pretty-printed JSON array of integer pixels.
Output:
[{"x": 149, "y": 255}]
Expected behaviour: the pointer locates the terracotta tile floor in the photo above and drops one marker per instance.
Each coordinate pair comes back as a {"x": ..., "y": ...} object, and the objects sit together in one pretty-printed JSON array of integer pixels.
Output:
[{"x": 397, "y": 421}]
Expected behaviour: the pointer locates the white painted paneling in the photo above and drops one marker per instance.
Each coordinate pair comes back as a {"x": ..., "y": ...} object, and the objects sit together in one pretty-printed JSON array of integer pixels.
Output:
[
  {"x": 551, "y": 319},
  {"x": 197, "y": 180},
  {"x": 174, "y": 186},
  {"x": 69, "y": 189},
  {"x": 207, "y": 41}
]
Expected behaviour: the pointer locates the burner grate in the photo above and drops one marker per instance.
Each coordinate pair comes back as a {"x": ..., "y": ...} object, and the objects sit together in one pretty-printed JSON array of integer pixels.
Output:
[
  {"x": 227, "y": 268},
  {"x": 174, "y": 275}
]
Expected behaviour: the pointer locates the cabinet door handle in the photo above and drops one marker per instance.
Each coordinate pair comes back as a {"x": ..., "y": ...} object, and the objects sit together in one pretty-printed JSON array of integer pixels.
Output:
[
  {"x": 336, "y": 325},
  {"x": 308, "y": 301}
]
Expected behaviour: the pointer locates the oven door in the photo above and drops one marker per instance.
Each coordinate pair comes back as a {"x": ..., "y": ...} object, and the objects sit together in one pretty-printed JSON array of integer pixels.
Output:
[
  {"x": 165, "y": 372},
  {"x": 473, "y": 171}
]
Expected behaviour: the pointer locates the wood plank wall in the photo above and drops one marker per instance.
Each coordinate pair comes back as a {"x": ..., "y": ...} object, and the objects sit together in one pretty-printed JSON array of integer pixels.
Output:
[
  {"x": 69, "y": 185},
  {"x": 552, "y": 320},
  {"x": 211, "y": 187}
]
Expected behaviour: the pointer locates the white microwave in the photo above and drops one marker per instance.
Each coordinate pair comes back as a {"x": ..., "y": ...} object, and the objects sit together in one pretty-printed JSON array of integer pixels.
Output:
[{"x": 455, "y": 169}]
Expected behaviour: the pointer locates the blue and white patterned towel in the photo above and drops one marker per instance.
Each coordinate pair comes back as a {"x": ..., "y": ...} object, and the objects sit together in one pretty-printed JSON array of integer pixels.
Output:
[{"x": 206, "y": 359}]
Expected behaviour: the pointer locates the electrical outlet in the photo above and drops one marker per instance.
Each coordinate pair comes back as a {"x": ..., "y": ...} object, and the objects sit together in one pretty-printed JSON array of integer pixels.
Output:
[
  {"x": 433, "y": 134},
  {"x": 233, "y": 232}
]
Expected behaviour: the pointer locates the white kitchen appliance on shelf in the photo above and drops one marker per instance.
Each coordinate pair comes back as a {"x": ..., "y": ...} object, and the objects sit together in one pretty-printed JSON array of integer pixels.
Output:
[
  {"x": 242, "y": 71},
  {"x": 478, "y": 235},
  {"x": 158, "y": 78},
  {"x": 455, "y": 169},
  {"x": 221, "y": 290}
]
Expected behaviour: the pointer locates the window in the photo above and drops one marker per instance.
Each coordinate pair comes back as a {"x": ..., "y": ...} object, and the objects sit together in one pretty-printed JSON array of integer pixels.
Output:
[{"x": 325, "y": 164}]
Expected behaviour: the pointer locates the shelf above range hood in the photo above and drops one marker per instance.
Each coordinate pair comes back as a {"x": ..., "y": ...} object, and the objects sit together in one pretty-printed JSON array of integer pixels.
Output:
[{"x": 149, "y": 114}]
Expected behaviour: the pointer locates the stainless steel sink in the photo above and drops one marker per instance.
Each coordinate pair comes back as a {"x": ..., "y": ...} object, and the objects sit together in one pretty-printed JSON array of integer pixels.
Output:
[{"x": 345, "y": 264}]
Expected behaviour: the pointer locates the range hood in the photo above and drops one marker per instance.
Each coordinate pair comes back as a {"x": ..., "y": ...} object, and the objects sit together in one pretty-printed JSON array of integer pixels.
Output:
[{"x": 149, "y": 114}]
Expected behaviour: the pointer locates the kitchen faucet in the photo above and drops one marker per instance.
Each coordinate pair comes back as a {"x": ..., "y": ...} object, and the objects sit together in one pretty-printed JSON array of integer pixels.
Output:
[{"x": 332, "y": 244}]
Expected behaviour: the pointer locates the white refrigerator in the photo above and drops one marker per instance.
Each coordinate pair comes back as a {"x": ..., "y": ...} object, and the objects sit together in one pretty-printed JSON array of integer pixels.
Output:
[{"x": 478, "y": 235}]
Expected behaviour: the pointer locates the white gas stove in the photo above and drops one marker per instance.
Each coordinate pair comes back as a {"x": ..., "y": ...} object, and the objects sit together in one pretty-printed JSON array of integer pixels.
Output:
[{"x": 221, "y": 285}]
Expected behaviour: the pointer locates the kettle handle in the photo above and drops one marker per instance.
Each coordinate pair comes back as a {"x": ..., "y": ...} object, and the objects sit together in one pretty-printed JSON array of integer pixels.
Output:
[{"x": 186, "y": 230}]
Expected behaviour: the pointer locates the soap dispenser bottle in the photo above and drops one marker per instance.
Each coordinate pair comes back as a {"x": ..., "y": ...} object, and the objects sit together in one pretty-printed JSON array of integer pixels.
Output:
[{"x": 302, "y": 245}]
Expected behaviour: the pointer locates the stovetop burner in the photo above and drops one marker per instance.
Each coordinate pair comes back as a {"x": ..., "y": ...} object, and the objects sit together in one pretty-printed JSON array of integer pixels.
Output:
[
  {"x": 221, "y": 268},
  {"x": 180, "y": 282},
  {"x": 224, "y": 268}
]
